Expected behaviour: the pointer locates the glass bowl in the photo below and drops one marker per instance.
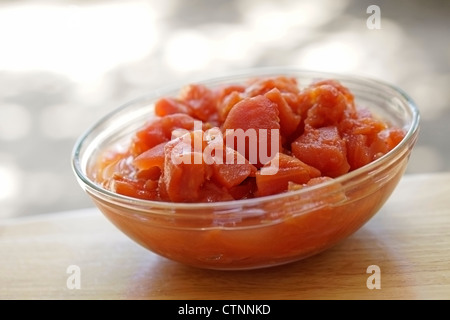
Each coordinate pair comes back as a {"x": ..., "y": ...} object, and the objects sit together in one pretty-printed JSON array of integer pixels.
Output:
[{"x": 259, "y": 232}]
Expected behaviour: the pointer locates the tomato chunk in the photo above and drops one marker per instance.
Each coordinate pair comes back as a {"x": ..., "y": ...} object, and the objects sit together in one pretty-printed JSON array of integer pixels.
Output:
[
  {"x": 245, "y": 140},
  {"x": 254, "y": 118},
  {"x": 324, "y": 149},
  {"x": 201, "y": 100},
  {"x": 290, "y": 169},
  {"x": 153, "y": 157},
  {"x": 289, "y": 120},
  {"x": 233, "y": 169},
  {"x": 160, "y": 130}
]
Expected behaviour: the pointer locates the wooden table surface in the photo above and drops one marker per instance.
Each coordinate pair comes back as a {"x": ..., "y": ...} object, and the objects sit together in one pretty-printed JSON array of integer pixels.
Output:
[{"x": 409, "y": 240}]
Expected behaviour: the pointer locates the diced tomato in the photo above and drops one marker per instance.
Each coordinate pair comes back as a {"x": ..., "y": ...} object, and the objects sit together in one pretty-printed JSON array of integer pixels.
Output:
[
  {"x": 161, "y": 130},
  {"x": 254, "y": 117},
  {"x": 324, "y": 149},
  {"x": 183, "y": 181},
  {"x": 358, "y": 153},
  {"x": 178, "y": 121},
  {"x": 245, "y": 190},
  {"x": 166, "y": 106},
  {"x": 289, "y": 120},
  {"x": 141, "y": 189},
  {"x": 261, "y": 86},
  {"x": 385, "y": 141},
  {"x": 148, "y": 137},
  {"x": 211, "y": 192},
  {"x": 226, "y": 90},
  {"x": 150, "y": 174},
  {"x": 328, "y": 106},
  {"x": 392, "y": 136},
  {"x": 233, "y": 169},
  {"x": 240, "y": 141},
  {"x": 367, "y": 138},
  {"x": 153, "y": 157},
  {"x": 290, "y": 169},
  {"x": 336, "y": 84},
  {"x": 227, "y": 104},
  {"x": 201, "y": 100}
]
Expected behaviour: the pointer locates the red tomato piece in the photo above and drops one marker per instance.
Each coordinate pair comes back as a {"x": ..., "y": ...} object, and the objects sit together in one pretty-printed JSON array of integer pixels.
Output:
[
  {"x": 289, "y": 120},
  {"x": 166, "y": 106},
  {"x": 290, "y": 169},
  {"x": 201, "y": 100},
  {"x": 324, "y": 149},
  {"x": 153, "y": 157},
  {"x": 252, "y": 115},
  {"x": 232, "y": 174}
]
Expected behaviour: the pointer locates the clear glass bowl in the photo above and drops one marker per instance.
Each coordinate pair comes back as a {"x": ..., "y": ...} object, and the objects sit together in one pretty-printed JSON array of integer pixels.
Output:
[{"x": 260, "y": 232}]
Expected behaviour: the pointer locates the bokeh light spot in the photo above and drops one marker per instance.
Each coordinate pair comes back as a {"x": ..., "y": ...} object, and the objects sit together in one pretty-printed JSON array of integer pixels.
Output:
[{"x": 15, "y": 122}]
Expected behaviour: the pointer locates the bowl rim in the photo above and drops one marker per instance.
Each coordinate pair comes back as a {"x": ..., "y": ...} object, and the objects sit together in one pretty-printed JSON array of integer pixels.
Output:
[{"x": 410, "y": 136}]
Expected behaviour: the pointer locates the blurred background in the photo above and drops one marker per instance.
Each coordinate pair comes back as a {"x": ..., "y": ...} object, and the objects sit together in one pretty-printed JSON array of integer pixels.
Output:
[{"x": 63, "y": 64}]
